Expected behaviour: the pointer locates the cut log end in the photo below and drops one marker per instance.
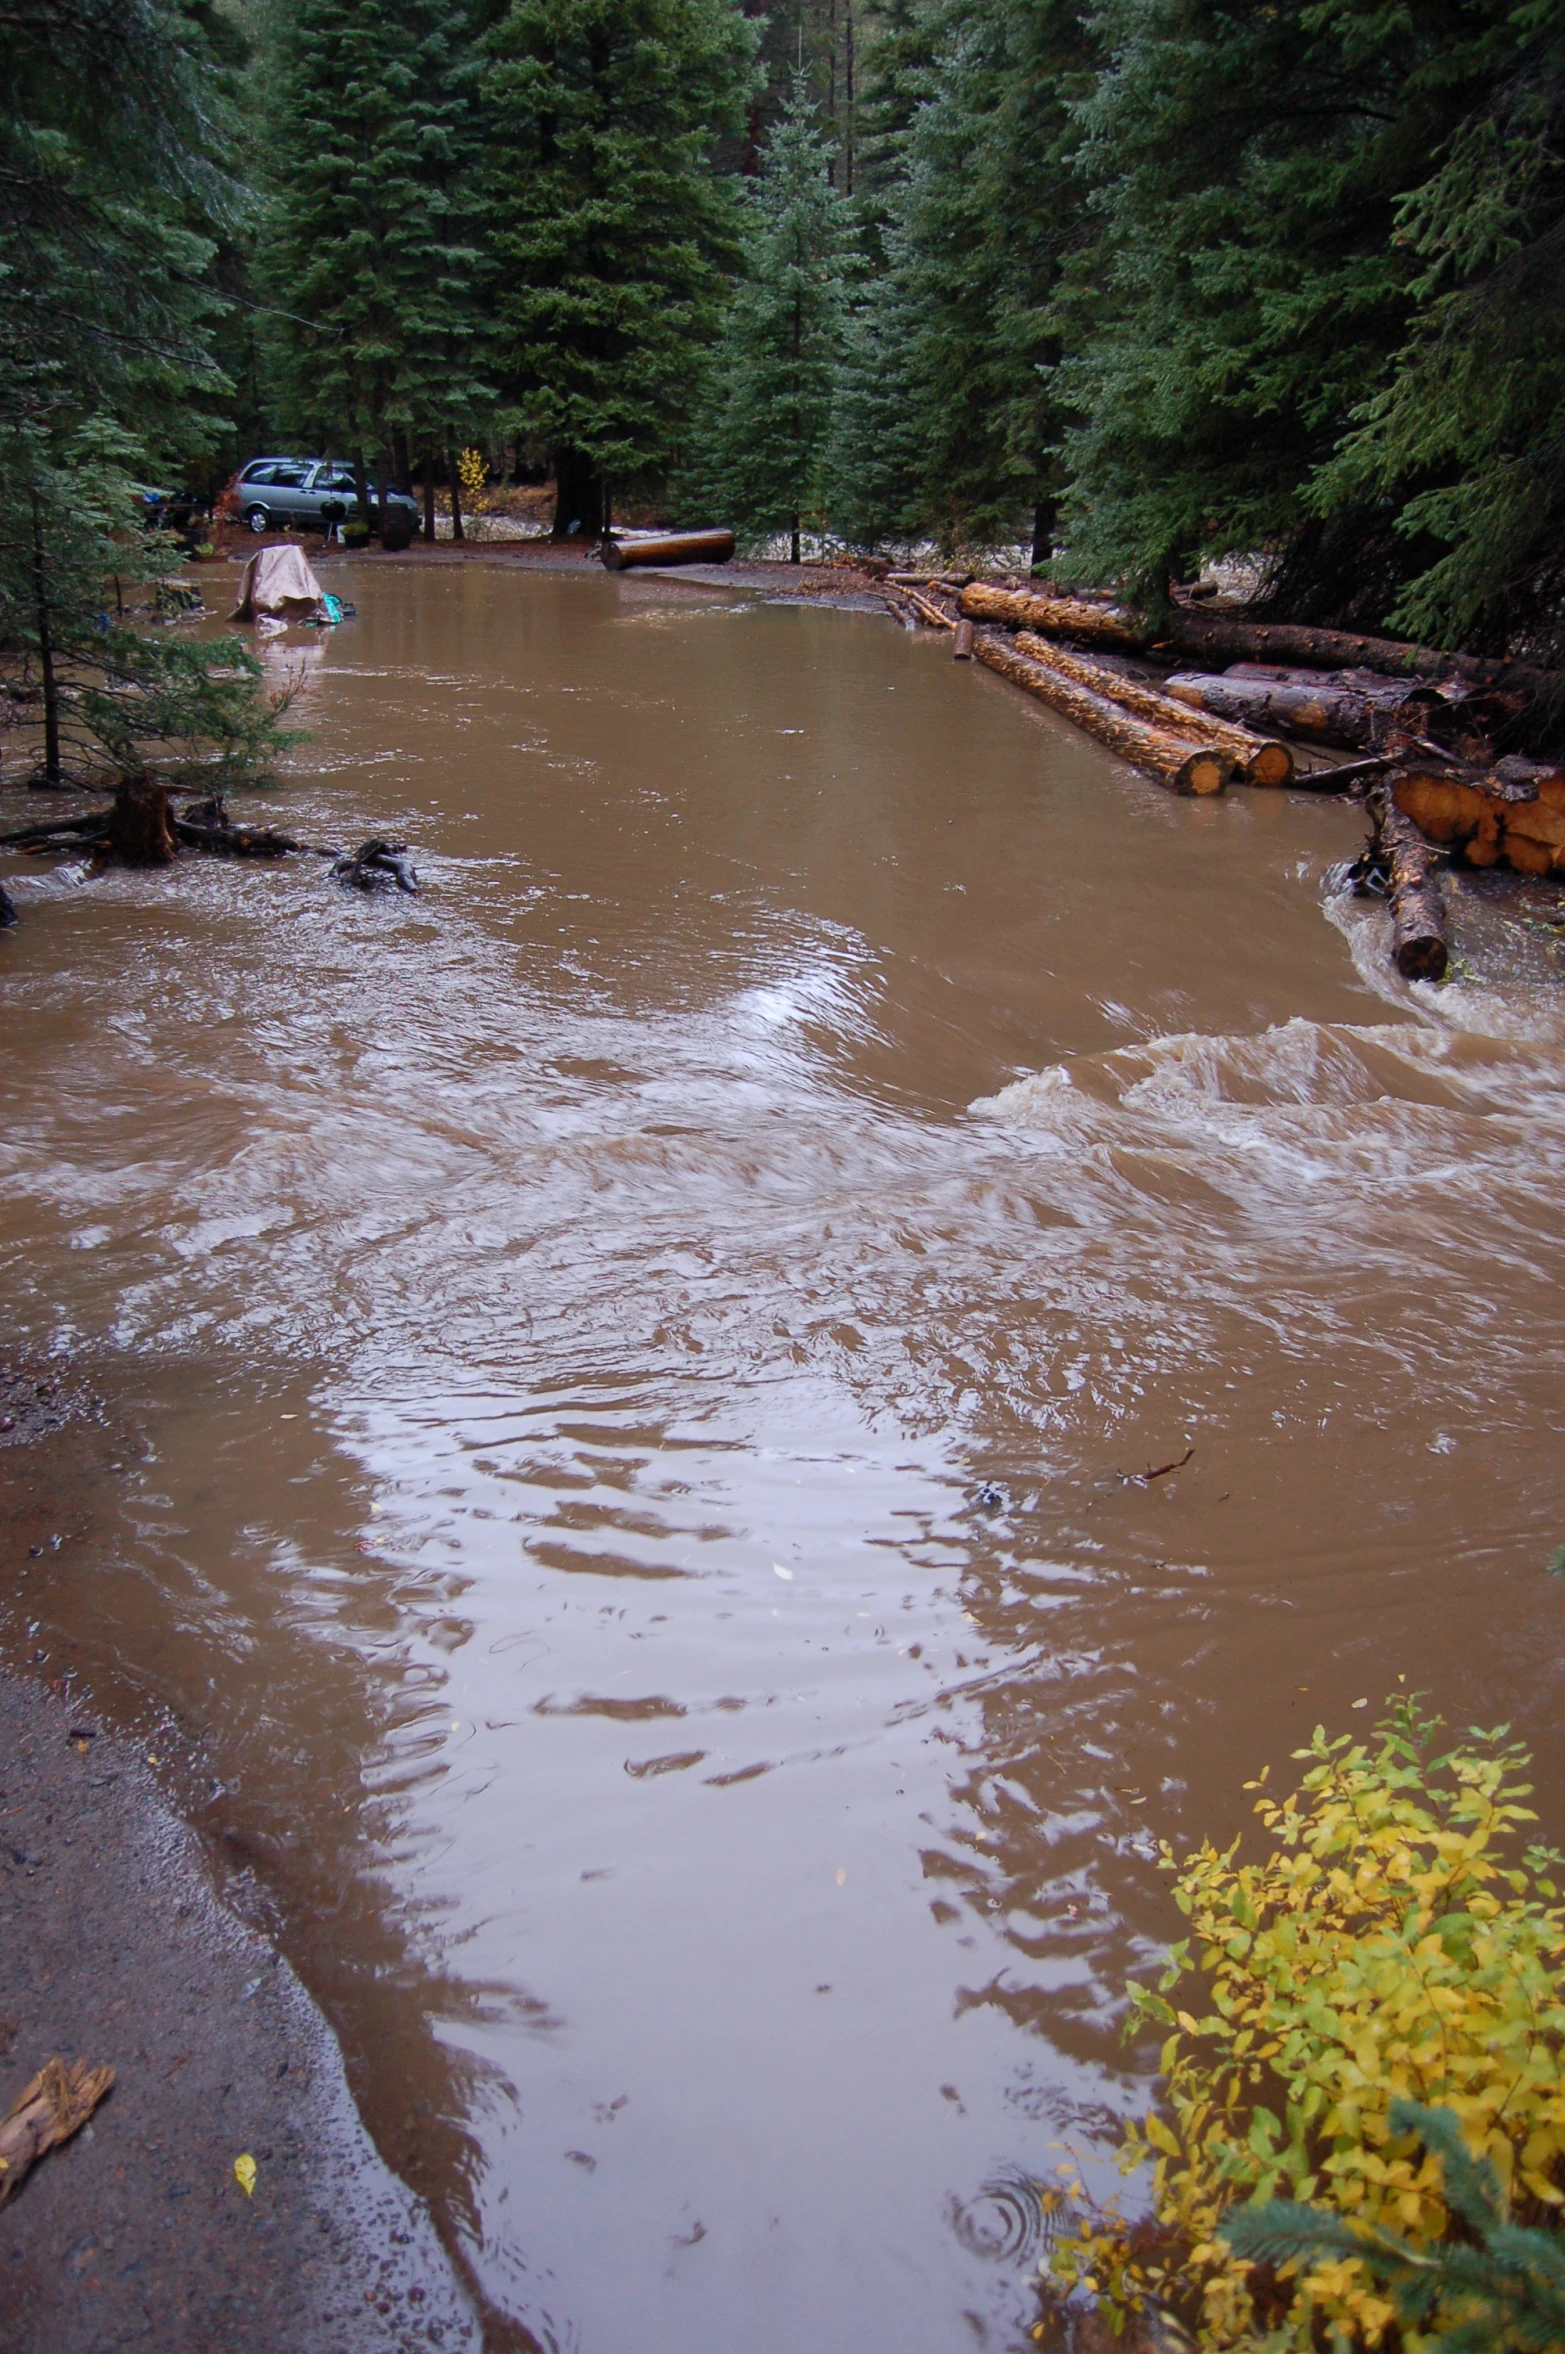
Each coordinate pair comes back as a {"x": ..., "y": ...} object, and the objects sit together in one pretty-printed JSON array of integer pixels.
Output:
[{"x": 1204, "y": 772}]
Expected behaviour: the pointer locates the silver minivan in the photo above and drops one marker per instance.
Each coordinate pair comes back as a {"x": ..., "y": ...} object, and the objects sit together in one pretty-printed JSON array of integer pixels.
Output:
[{"x": 274, "y": 492}]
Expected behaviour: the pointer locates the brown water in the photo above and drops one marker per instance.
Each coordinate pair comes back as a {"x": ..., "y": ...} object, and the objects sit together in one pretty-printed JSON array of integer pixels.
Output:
[{"x": 639, "y": 1360}]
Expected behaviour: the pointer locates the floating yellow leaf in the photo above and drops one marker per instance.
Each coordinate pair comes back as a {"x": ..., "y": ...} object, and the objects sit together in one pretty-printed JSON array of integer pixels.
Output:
[{"x": 244, "y": 2174}]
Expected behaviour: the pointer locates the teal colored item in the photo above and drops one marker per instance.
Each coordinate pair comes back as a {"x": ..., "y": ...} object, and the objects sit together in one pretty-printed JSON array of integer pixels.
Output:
[{"x": 333, "y": 607}]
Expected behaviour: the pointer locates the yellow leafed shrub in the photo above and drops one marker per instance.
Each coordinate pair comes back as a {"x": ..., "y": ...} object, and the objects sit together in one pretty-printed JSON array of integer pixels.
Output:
[{"x": 1399, "y": 1940}]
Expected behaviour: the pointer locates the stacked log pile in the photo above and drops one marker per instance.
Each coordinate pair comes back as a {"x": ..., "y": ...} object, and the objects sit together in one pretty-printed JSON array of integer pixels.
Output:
[{"x": 1421, "y": 723}]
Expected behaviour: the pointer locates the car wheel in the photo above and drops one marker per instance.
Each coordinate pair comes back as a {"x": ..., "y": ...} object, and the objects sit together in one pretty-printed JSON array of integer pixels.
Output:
[{"x": 257, "y": 518}]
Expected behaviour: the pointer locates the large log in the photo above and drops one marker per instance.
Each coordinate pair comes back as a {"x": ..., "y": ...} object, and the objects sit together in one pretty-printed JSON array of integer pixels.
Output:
[
  {"x": 1224, "y": 639},
  {"x": 1057, "y": 617},
  {"x": 1259, "y": 760},
  {"x": 1513, "y": 817},
  {"x": 1176, "y": 762},
  {"x": 1418, "y": 942},
  {"x": 669, "y": 547},
  {"x": 1323, "y": 714}
]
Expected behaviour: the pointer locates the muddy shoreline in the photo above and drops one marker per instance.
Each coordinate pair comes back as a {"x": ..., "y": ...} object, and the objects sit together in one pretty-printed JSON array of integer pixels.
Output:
[{"x": 116, "y": 1948}]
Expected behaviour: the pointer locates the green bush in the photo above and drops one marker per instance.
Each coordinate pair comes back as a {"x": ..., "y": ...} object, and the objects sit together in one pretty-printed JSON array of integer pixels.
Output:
[{"x": 1392, "y": 1949}]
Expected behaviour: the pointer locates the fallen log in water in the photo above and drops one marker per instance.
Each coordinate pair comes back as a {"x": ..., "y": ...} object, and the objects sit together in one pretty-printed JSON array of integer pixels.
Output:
[
  {"x": 1056, "y": 617},
  {"x": 668, "y": 547},
  {"x": 899, "y": 604},
  {"x": 1398, "y": 849},
  {"x": 206, "y": 825},
  {"x": 1183, "y": 766},
  {"x": 962, "y": 643},
  {"x": 1513, "y": 817},
  {"x": 1259, "y": 760}
]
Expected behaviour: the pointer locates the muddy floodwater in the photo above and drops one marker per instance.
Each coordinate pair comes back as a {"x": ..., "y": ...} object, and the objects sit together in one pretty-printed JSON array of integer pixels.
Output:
[{"x": 629, "y": 1382}]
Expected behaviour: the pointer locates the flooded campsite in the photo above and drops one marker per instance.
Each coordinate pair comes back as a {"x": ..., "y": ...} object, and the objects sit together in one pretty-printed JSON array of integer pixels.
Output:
[{"x": 705, "y": 1432}]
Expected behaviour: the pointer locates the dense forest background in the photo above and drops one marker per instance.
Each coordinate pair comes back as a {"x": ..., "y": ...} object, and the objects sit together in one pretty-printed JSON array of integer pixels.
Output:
[{"x": 1139, "y": 284}]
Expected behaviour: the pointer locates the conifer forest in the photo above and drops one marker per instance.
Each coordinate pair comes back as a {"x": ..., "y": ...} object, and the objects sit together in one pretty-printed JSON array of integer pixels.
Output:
[{"x": 1140, "y": 285}]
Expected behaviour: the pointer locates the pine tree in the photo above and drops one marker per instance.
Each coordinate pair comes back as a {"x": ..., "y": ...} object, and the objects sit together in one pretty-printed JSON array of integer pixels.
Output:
[
  {"x": 1467, "y": 440},
  {"x": 982, "y": 207},
  {"x": 1244, "y": 293},
  {"x": 112, "y": 116},
  {"x": 370, "y": 253},
  {"x": 608, "y": 227},
  {"x": 763, "y": 454}
]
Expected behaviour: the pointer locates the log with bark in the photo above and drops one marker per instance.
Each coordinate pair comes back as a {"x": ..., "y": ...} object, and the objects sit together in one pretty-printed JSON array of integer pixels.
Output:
[
  {"x": 1513, "y": 816},
  {"x": 56, "y": 2104},
  {"x": 1320, "y": 713},
  {"x": 1407, "y": 863},
  {"x": 1056, "y": 617},
  {"x": 1258, "y": 760},
  {"x": 668, "y": 547},
  {"x": 1183, "y": 766},
  {"x": 898, "y": 604},
  {"x": 930, "y": 609},
  {"x": 962, "y": 642},
  {"x": 206, "y": 825},
  {"x": 1223, "y": 638}
]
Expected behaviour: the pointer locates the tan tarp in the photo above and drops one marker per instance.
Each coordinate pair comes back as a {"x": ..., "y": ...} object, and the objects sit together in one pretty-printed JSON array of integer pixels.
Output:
[{"x": 279, "y": 581}]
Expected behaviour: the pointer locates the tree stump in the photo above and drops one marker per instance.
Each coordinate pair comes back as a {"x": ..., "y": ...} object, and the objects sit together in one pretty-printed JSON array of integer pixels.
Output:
[{"x": 141, "y": 832}]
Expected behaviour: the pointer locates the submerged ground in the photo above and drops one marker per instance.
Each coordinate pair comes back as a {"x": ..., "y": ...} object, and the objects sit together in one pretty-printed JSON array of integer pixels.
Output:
[{"x": 626, "y": 1380}]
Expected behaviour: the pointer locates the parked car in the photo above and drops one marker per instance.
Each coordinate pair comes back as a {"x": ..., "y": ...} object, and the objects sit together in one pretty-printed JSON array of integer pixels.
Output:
[{"x": 274, "y": 492}]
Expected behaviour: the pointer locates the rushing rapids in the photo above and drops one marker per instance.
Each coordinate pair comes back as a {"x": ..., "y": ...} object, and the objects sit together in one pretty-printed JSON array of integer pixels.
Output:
[{"x": 631, "y": 1382}]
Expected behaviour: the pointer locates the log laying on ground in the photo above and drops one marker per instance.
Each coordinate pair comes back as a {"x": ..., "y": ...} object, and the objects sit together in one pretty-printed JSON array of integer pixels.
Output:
[
  {"x": 1515, "y": 816},
  {"x": 1259, "y": 760},
  {"x": 668, "y": 547},
  {"x": 899, "y": 604},
  {"x": 930, "y": 609},
  {"x": 1056, "y": 617},
  {"x": 1323, "y": 714},
  {"x": 1183, "y": 766},
  {"x": 56, "y": 2104},
  {"x": 1226, "y": 639},
  {"x": 1401, "y": 854}
]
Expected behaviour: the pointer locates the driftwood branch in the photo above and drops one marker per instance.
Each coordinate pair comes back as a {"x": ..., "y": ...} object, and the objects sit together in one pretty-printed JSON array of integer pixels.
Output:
[{"x": 56, "y": 2104}]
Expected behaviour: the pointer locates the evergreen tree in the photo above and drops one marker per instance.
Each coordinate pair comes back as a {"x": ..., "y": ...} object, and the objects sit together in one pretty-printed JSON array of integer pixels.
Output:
[
  {"x": 1468, "y": 438},
  {"x": 111, "y": 117},
  {"x": 608, "y": 226},
  {"x": 983, "y": 208},
  {"x": 874, "y": 456},
  {"x": 765, "y": 434},
  {"x": 370, "y": 255},
  {"x": 1244, "y": 293}
]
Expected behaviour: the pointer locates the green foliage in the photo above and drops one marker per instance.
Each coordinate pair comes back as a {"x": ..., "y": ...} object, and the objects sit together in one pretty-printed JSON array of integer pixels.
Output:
[
  {"x": 112, "y": 115},
  {"x": 764, "y": 437},
  {"x": 1393, "y": 1947},
  {"x": 99, "y": 692},
  {"x": 973, "y": 226},
  {"x": 370, "y": 255},
  {"x": 1243, "y": 293},
  {"x": 1502, "y": 2287},
  {"x": 1468, "y": 435},
  {"x": 608, "y": 229}
]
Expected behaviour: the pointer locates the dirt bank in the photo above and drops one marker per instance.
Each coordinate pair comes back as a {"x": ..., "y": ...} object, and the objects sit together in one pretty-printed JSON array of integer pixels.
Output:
[{"x": 113, "y": 1948}]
